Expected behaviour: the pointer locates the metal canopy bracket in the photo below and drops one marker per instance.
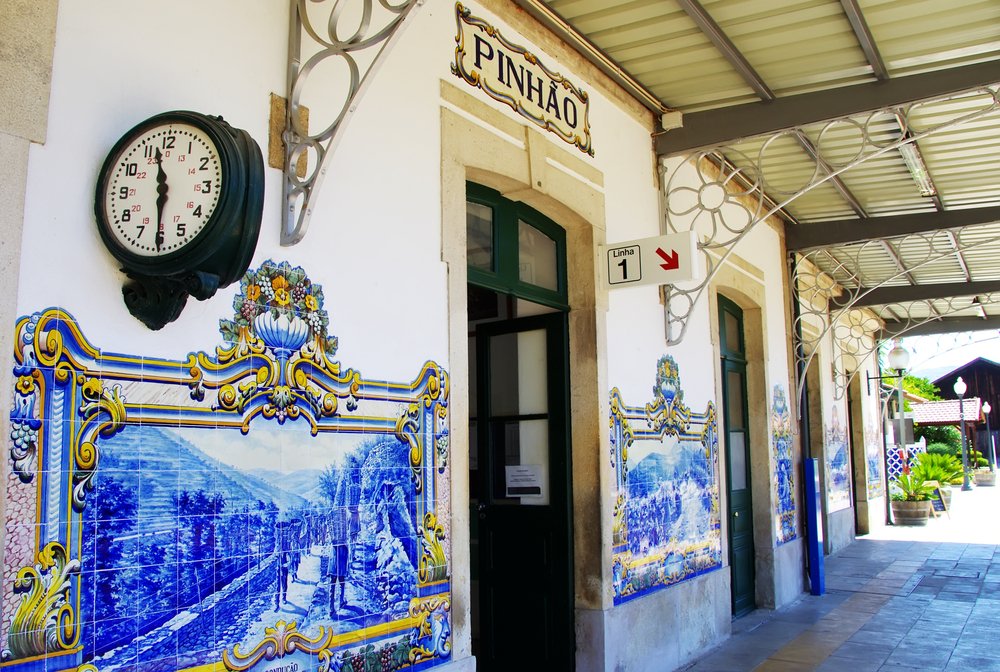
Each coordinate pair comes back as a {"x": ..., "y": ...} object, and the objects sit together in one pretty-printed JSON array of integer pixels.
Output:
[
  {"x": 858, "y": 331},
  {"x": 375, "y": 26},
  {"x": 721, "y": 192}
]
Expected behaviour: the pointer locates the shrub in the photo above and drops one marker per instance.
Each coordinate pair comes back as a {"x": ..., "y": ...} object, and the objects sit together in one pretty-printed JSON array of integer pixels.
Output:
[
  {"x": 941, "y": 449},
  {"x": 945, "y": 469},
  {"x": 912, "y": 488}
]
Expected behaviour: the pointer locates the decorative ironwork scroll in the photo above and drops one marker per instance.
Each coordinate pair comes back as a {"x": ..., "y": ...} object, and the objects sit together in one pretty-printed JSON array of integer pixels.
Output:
[
  {"x": 831, "y": 289},
  {"x": 320, "y": 24}
]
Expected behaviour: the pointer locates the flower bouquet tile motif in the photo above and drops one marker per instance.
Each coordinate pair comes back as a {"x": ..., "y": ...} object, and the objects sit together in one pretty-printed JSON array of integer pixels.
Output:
[
  {"x": 257, "y": 507},
  {"x": 280, "y": 306}
]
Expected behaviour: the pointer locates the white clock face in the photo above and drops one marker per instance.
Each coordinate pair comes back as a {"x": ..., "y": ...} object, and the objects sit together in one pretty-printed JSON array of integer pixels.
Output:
[{"x": 163, "y": 188}]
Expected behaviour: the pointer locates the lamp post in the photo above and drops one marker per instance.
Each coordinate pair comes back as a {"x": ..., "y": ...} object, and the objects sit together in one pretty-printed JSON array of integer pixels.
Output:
[
  {"x": 899, "y": 359},
  {"x": 991, "y": 455},
  {"x": 960, "y": 388}
]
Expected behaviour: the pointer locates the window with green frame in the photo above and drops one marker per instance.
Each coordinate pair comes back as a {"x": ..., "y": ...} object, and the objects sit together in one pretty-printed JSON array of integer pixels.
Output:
[{"x": 514, "y": 249}]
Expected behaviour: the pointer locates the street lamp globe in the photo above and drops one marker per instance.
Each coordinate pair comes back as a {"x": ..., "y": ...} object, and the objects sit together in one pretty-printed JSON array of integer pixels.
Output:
[
  {"x": 960, "y": 388},
  {"x": 987, "y": 408},
  {"x": 899, "y": 358}
]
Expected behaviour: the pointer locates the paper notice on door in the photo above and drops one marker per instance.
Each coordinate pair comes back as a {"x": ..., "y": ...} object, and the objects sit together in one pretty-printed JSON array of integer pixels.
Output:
[{"x": 525, "y": 480}]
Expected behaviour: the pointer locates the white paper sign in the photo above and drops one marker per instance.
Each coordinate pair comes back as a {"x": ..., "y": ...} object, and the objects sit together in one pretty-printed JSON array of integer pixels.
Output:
[{"x": 525, "y": 480}]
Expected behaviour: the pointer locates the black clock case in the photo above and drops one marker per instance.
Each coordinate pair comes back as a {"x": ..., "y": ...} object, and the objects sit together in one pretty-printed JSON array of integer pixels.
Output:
[{"x": 221, "y": 252}]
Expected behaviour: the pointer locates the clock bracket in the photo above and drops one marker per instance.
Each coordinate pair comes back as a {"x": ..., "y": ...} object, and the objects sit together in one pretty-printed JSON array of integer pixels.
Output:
[{"x": 158, "y": 300}]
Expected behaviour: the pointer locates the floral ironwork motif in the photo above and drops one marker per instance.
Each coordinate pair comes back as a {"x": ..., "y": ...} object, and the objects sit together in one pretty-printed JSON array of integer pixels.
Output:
[{"x": 830, "y": 293}]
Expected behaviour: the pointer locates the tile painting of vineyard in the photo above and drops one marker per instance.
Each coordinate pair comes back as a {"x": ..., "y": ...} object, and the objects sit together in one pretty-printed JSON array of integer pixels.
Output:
[{"x": 189, "y": 545}]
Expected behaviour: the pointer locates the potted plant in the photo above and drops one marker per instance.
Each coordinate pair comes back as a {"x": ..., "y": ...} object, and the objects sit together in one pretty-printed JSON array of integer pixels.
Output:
[
  {"x": 911, "y": 500},
  {"x": 981, "y": 473},
  {"x": 945, "y": 469},
  {"x": 983, "y": 476}
]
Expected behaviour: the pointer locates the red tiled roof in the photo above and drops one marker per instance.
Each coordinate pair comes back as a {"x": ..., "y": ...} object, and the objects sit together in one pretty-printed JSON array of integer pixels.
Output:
[{"x": 946, "y": 412}]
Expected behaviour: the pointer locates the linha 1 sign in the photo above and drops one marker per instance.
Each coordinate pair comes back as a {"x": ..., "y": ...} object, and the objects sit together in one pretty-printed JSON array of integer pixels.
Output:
[
  {"x": 661, "y": 260},
  {"x": 511, "y": 74}
]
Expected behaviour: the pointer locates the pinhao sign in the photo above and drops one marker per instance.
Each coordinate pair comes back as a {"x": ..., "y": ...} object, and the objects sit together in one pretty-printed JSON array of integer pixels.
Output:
[{"x": 512, "y": 75}]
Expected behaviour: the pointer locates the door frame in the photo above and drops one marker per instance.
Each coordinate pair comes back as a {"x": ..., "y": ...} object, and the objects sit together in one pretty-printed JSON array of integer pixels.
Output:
[{"x": 504, "y": 278}]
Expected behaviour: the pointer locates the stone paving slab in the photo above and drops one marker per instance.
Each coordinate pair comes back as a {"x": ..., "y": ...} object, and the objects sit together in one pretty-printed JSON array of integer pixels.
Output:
[{"x": 900, "y": 599}]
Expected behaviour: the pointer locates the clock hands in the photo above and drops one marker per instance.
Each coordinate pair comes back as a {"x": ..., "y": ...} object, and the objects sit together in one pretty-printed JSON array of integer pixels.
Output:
[{"x": 161, "y": 199}]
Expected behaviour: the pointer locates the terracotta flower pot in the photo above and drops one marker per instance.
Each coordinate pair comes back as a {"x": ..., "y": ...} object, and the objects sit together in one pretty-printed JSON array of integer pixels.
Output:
[{"x": 911, "y": 513}]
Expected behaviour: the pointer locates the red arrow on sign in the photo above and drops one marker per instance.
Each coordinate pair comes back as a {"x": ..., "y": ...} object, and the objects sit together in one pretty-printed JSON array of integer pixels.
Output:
[{"x": 671, "y": 259}]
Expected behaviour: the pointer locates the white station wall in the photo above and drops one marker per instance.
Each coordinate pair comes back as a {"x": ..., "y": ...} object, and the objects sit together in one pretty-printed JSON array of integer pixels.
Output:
[{"x": 374, "y": 241}]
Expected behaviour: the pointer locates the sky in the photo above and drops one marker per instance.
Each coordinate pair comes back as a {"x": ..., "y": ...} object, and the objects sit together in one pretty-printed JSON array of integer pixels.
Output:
[{"x": 933, "y": 356}]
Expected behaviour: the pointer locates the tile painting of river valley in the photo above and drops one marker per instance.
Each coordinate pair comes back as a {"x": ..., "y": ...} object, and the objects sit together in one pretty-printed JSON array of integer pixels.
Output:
[{"x": 196, "y": 540}]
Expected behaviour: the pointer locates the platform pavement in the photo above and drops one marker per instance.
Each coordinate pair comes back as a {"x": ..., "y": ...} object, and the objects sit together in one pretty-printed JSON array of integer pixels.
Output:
[{"x": 899, "y": 599}]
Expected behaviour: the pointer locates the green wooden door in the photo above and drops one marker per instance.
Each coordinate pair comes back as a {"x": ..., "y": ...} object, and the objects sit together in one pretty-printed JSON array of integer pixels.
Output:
[{"x": 737, "y": 445}]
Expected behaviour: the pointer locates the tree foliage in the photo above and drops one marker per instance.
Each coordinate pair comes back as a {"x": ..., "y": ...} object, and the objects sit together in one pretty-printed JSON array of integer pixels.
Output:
[
  {"x": 921, "y": 387},
  {"x": 946, "y": 434}
]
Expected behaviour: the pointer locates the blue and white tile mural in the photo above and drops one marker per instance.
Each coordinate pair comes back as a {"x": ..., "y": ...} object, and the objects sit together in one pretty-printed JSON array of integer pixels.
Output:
[
  {"x": 666, "y": 519},
  {"x": 873, "y": 462},
  {"x": 786, "y": 527},
  {"x": 838, "y": 466},
  {"x": 258, "y": 508}
]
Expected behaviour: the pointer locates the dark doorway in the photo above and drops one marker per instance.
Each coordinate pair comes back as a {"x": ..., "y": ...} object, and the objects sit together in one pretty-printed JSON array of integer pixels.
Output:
[{"x": 737, "y": 443}]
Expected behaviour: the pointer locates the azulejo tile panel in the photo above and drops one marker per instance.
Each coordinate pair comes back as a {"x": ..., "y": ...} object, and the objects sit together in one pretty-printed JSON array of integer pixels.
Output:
[
  {"x": 873, "y": 462},
  {"x": 838, "y": 466},
  {"x": 261, "y": 507},
  {"x": 786, "y": 527},
  {"x": 667, "y": 526}
]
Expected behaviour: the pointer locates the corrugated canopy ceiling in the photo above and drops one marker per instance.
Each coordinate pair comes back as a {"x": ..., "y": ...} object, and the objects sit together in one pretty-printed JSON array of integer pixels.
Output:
[{"x": 913, "y": 230}]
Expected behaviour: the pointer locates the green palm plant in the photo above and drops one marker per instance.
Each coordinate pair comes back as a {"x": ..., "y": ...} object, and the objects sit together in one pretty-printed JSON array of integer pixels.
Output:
[
  {"x": 945, "y": 469},
  {"x": 912, "y": 488}
]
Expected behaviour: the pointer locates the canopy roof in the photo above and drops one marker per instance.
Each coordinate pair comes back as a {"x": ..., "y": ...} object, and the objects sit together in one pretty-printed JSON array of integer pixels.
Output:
[{"x": 899, "y": 201}]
